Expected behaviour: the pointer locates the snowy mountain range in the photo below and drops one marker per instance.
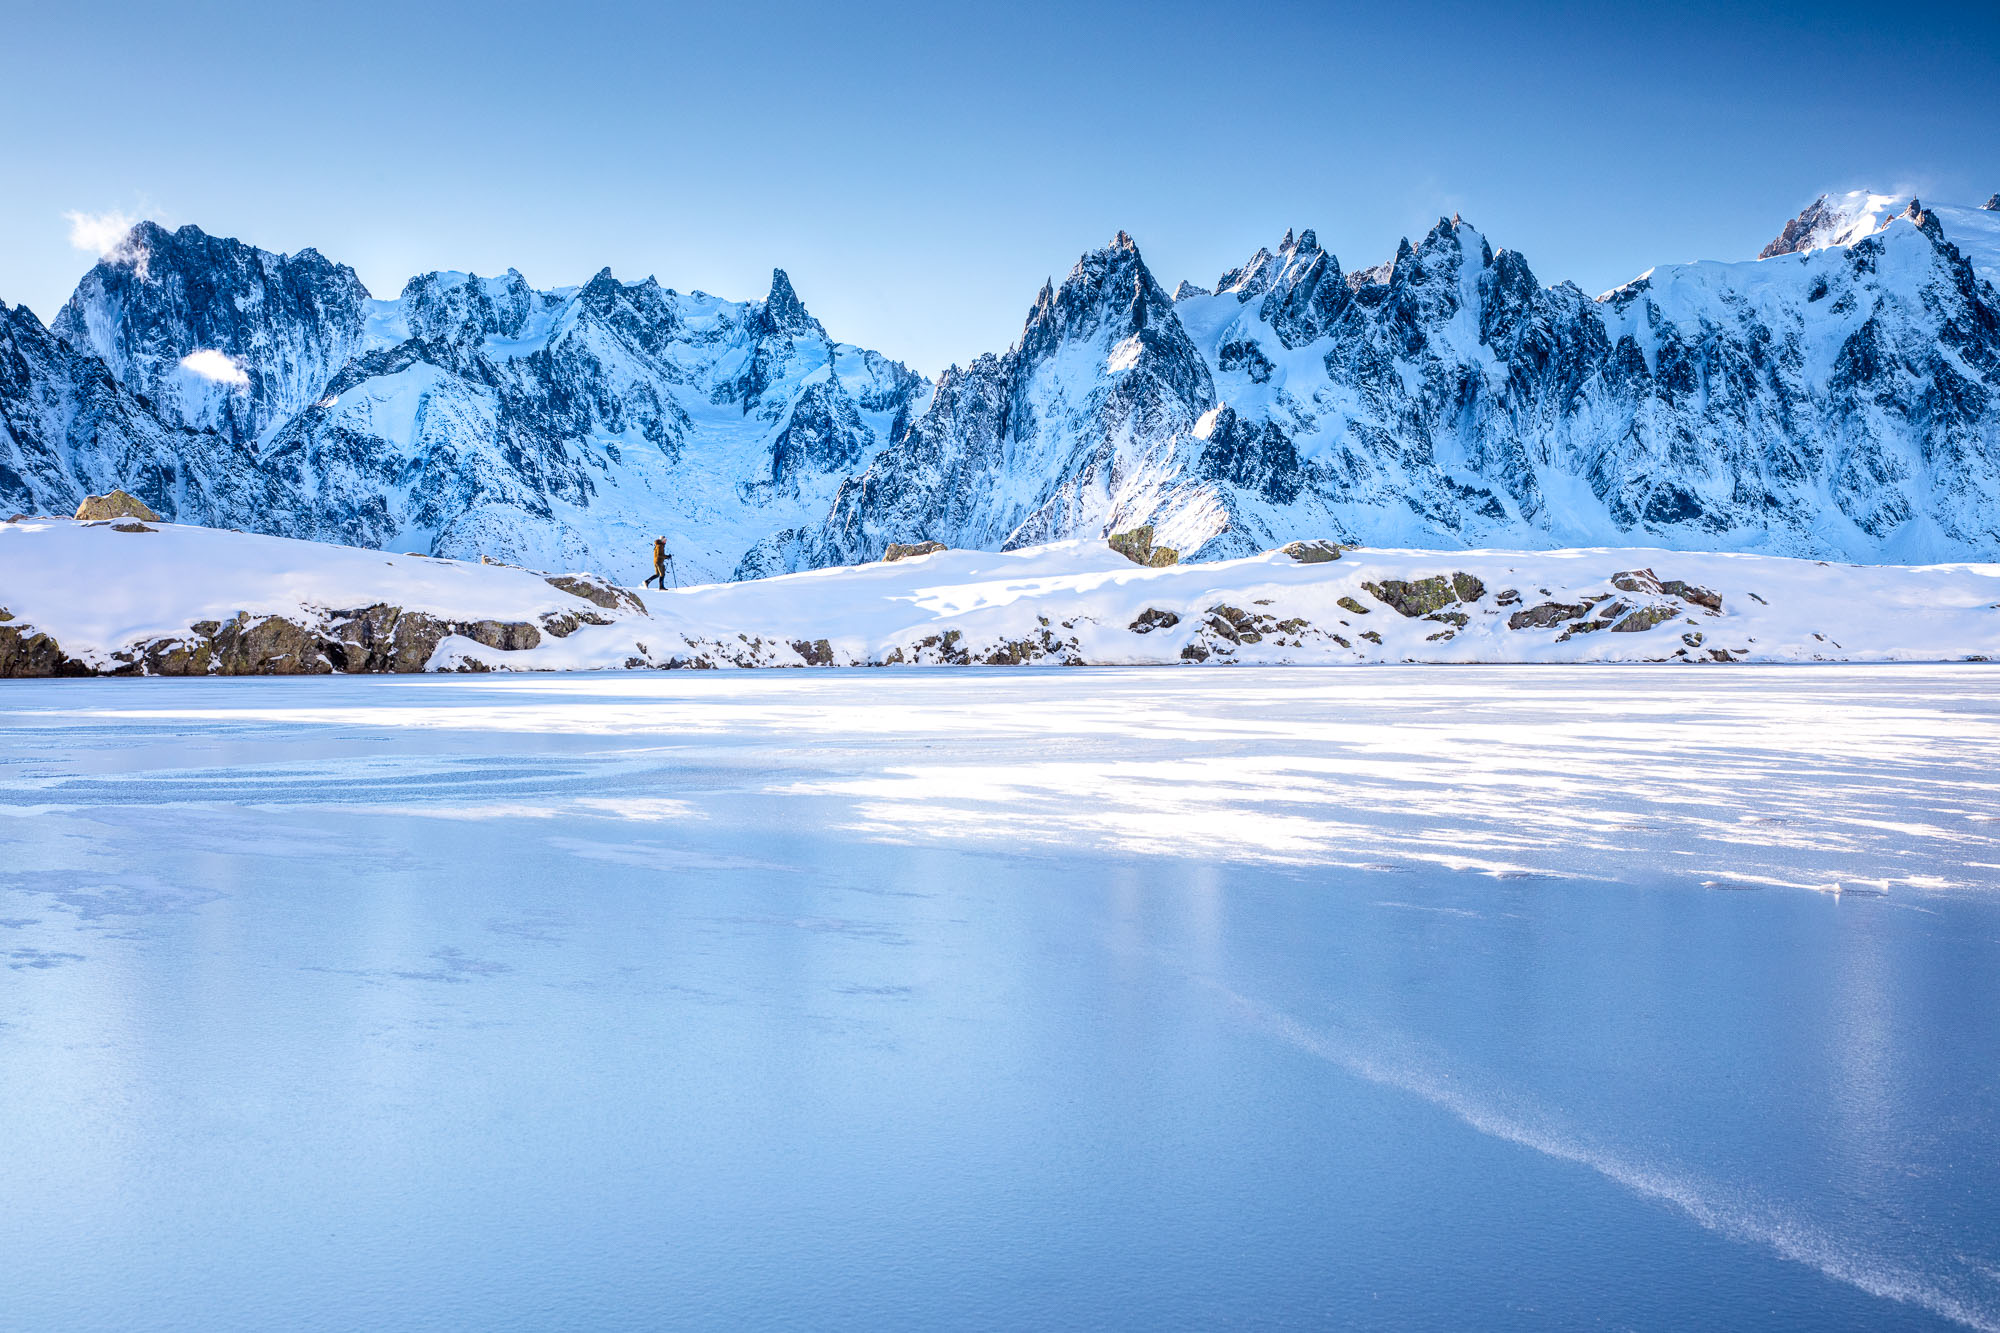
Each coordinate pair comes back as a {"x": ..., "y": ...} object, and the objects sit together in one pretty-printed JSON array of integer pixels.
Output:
[{"x": 1838, "y": 397}]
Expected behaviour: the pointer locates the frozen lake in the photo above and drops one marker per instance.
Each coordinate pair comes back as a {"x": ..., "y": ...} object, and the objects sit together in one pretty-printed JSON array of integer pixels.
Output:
[{"x": 1483, "y": 997}]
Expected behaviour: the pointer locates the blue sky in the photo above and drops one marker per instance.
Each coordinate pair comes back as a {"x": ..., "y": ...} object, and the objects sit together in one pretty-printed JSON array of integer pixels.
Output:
[{"x": 919, "y": 169}]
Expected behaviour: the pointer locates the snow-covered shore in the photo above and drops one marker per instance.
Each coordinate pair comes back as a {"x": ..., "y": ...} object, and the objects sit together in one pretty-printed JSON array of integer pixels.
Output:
[{"x": 157, "y": 598}]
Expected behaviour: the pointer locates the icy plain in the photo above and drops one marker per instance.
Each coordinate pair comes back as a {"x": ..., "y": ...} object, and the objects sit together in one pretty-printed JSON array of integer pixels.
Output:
[{"x": 1497, "y": 997}]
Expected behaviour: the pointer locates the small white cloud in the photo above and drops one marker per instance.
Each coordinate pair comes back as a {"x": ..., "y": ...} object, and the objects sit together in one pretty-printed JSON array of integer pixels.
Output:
[
  {"x": 213, "y": 365},
  {"x": 99, "y": 233}
]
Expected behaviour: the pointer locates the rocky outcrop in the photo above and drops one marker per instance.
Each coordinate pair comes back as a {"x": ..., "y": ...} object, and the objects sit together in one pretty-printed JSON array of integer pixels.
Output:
[
  {"x": 1137, "y": 546},
  {"x": 118, "y": 504},
  {"x": 901, "y": 551},
  {"x": 377, "y": 638},
  {"x": 597, "y": 590}
]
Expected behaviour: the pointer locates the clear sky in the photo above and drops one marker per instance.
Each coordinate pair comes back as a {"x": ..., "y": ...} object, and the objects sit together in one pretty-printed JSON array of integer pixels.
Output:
[{"x": 920, "y": 168}]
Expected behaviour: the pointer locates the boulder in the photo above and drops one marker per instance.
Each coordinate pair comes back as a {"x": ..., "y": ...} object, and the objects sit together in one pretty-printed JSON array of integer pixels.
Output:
[
  {"x": 1707, "y": 599},
  {"x": 1136, "y": 545},
  {"x": 1645, "y": 618},
  {"x": 1314, "y": 552},
  {"x": 1417, "y": 598},
  {"x": 1547, "y": 615},
  {"x": 905, "y": 551},
  {"x": 117, "y": 504},
  {"x": 1153, "y": 618}
]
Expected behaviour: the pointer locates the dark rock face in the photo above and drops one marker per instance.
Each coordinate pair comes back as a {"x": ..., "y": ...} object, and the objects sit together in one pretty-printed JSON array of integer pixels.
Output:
[
  {"x": 69, "y": 429},
  {"x": 1026, "y": 448},
  {"x": 472, "y": 416},
  {"x": 287, "y": 323}
]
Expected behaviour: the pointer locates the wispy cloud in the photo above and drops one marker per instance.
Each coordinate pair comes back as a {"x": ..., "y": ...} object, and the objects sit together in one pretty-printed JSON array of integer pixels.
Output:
[
  {"x": 99, "y": 233},
  {"x": 213, "y": 365}
]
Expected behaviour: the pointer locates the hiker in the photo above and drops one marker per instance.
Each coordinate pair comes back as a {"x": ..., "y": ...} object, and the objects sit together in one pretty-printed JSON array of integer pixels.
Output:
[{"x": 660, "y": 558}]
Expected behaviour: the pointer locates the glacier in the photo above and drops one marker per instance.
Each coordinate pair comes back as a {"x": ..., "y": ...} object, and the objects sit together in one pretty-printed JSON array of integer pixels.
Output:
[{"x": 1838, "y": 398}]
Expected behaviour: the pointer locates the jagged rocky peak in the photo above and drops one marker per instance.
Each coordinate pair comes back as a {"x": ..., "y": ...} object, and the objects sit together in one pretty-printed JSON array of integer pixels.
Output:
[
  {"x": 1369, "y": 277},
  {"x": 1188, "y": 289},
  {"x": 1992, "y": 204},
  {"x": 1110, "y": 290},
  {"x": 1306, "y": 294},
  {"x": 1832, "y": 220},
  {"x": 217, "y": 334},
  {"x": 784, "y": 313},
  {"x": 465, "y": 308},
  {"x": 1262, "y": 270}
]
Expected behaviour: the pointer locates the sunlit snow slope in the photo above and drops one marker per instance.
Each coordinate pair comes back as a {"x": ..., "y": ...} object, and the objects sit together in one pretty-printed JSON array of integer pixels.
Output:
[{"x": 79, "y": 598}]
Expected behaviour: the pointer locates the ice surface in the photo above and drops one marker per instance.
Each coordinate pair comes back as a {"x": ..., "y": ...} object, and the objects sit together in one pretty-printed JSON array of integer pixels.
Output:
[{"x": 1399, "y": 998}]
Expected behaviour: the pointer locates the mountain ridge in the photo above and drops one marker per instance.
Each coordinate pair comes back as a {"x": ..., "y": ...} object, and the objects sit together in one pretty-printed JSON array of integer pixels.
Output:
[{"x": 1836, "y": 399}]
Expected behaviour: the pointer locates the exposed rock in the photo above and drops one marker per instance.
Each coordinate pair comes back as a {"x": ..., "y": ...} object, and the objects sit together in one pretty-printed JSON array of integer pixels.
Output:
[
  {"x": 26, "y": 652},
  {"x": 134, "y": 526},
  {"x": 1234, "y": 623},
  {"x": 267, "y": 646},
  {"x": 116, "y": 504},
  {"x": 1314, "y": 552},
  {"x": 507, "y": 636},
  {"x": 817, "y": 652},
  {"x": 1702, "y": 597},
  {"x": 944, "y": 649},
  {"x": 1136, "y": 545},
  {"x": 1645, "y": 618},
  {"x": 562, "y": 624},
  {"x": 1637, "y": 580},
  {"x": 1414, "y": 599},
  {"x": 1458, "y": 619},
  {"x": 1546, "y": 616},
  {"x": 1507, "y": 596},
  {"x": 1582, "y": 627},
  {"x": 1349, "y": 604},
  {"x": 900, "y": 551},
  {"x": 1468, "y": 588},
  {"x": 1153, "y": 618},
  {"x": 597, "y": 589}
]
